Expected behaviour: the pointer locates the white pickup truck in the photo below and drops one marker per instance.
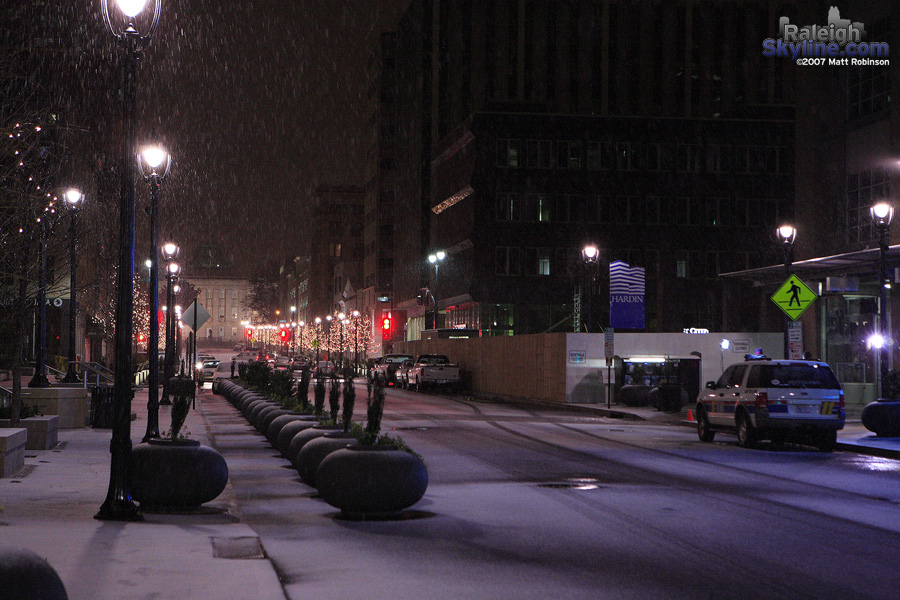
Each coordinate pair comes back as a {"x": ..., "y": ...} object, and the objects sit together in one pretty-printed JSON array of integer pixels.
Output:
[{"x": 433, "y": 370}]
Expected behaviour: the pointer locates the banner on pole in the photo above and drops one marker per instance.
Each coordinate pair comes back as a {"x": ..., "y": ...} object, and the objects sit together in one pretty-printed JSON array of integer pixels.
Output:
[{"x": 626, "y": 296}]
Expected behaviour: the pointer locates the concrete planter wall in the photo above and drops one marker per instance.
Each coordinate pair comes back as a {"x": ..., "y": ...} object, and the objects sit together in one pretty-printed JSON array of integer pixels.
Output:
[
  {"x": 176, "y": 474},
  {"x": 12, "y": 450},
  {"x": 43, "y": 432},
  {"x": 371, "y": 481}
]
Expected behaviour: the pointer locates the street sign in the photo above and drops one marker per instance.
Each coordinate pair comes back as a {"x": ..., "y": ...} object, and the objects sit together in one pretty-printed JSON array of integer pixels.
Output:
[
  {"x": 794, "y": 297},
  {"x": 609, "y": 338},
  {"x": 187, "y": 316}
]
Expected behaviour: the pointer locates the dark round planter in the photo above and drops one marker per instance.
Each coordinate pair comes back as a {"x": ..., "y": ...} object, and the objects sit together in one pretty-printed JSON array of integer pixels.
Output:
[
  {"x": 634, "y": 395},
  {"x": 256, "y": 406},
  {"x": 302, "y": 437},
  {"x": 259, "y": 415},
  {"x": 248, "y": 402},
  {"x": 24, "y": 574},
  {"x": 291, "y": 429},
  {"x": 263, "y": 421},
  {"x": 176, "y": 474},
  {"x": 314, "y": 452},
  {"x": 371, "y": 481},
  {"x": 280, "y": 421},
  {"x": 882, "y": 417}
]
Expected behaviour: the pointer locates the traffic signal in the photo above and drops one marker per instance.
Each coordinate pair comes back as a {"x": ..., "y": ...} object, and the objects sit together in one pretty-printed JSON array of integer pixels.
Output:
[
  {"x": 284, "y": 334},
  {"x": 386, "y": 327}
]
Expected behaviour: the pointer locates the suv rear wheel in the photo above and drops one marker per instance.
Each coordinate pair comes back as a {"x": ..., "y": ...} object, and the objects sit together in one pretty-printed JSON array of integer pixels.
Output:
[{"x": 746, "y": 432}]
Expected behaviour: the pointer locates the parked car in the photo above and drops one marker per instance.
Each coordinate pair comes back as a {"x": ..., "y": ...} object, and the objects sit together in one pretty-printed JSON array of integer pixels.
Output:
[
  {"x": 283, "y": 363},
  {"x": 779, "y": 400},
  {"x": 401, "y": 373},
  {"x": 386, "y": 370},
  {"x": 299, "y": 363},
  {"x": 247, "y": 355},
  {"x": 209, "y": 370},
  {"x": 433, "y": 370},
  {"x": 323, "y": 368}
]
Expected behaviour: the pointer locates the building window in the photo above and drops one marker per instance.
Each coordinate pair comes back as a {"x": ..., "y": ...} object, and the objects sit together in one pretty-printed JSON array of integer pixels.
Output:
[
  {"x": 543, "y": 261},
  {"x": 681, "y": 269},
  {"x": 869, "y": 87},
  {"x": 688, "y": 157},
  {"x": 540, "y": 154},
  {"x": 569, "y": 155},
  {"x": 863, "y": 190},
  {"x": 509, "y": 153}
]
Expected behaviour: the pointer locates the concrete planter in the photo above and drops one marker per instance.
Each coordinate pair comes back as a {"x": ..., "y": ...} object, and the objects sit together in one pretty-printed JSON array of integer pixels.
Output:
[
  {"x": 43, "y": 432},
  {"x": 299, "y": 440},
  {"x": 12, "y": 450},
  {"x": 314, "y": 452},
  {"x": 176, "y": 474},
  {"x": 26, "y": 575},
  {"x": 287, "y": 433},
  {"x": 371, "y": 481},
  {"x": 882, "y": 417},
  {"x": 278, "y": 423}
]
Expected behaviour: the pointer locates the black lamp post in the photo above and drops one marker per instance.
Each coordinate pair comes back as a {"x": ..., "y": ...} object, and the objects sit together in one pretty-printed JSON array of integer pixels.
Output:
[
  {"x": 318, "y": 329},
  {"x": 436, "y": 259},
  {"x": 882, "y": 214},
  {"x": 119, "y": 505},
  {"x": 355, "y": 315},
  {"x": 169, "y": 253},
  {"x": 590, "y": 254},
  {"x": 39, "y": 379},
  {"x": 787, "y": 234},
  {"x": 74, "y": 199},
  {"x": 154, "y": 163}
]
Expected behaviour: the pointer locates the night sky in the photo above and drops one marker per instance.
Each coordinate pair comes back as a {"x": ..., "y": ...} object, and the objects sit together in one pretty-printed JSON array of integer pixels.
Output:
[{"x": 258, "y": 101}]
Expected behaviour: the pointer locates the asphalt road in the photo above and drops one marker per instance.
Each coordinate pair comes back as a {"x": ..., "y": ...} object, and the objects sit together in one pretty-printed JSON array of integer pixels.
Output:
[{"x": 535, "y": 504}]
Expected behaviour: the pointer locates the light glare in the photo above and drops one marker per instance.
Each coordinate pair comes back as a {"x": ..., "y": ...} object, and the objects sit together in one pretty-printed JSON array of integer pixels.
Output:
[{"x": 131, "y": 8}]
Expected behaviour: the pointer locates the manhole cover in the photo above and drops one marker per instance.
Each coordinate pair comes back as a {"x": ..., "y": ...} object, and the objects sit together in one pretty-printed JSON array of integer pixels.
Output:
[{"x": 237, "y": 547}]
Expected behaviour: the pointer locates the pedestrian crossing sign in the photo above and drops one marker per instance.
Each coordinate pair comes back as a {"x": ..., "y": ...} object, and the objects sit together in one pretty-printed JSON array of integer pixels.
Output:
[{"x": 794, "y": 297}]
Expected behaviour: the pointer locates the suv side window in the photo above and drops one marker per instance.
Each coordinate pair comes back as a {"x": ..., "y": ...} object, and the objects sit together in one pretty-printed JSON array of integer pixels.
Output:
[
  {"x": 737, "y": 376},
  {"x": 723, "y": 379}
]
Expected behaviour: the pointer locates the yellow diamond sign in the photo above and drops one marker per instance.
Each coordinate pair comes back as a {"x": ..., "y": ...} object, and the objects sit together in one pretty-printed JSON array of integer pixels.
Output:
[{"x": 794, "y": 297}]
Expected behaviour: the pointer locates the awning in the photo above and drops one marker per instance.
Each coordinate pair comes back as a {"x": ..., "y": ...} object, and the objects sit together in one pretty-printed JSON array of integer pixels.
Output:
[{"x": 862, "y": 262}]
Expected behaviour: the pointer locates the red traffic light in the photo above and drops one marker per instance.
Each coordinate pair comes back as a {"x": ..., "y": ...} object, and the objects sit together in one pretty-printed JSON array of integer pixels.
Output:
[
  {"x": 386, "y": 328},
  {"x": 284, "y": 334}
]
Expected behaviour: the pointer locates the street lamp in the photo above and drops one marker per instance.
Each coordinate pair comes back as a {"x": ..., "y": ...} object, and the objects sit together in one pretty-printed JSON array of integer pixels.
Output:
[
  {"x": 293, "y": 327},
  {"x": 170, "y": 253},
  {"x": 39, "y": 379},
  {"x": 342, "y": 321},
  {"x": 590, "y": 254},
  {"x": 119, "y": 505},
  {"x": 355, "y": 315},
  {"x": 787, "y": 235},
  {"x": 318, "y": 329},
  {"x": 882, "y": 214},
  {"x": 436, "y": 259},
  {"x": 74, "y": 200},
  {"x": 154, "y": 163},
  {"x": 301, "y": 324}
]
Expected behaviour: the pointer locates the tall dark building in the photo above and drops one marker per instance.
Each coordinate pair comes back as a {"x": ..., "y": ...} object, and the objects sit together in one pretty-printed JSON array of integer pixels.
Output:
[{"x": 526, "y": 129}]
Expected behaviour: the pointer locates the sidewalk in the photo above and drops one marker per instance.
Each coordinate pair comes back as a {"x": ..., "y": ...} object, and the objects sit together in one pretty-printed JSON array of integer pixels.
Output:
[{"x": 49, "y": 508}]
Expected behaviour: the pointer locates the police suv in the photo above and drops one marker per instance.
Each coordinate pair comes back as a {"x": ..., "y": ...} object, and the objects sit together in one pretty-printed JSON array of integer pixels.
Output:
[{"x": 778, "y": 400}]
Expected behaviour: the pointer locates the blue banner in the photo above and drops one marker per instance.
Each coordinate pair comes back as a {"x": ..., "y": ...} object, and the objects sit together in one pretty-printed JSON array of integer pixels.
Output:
[{"x": 626, "y": 296}]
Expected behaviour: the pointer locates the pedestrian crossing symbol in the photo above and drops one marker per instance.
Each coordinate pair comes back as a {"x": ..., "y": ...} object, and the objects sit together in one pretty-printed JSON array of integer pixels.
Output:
[{"x": 794, "y": 297}]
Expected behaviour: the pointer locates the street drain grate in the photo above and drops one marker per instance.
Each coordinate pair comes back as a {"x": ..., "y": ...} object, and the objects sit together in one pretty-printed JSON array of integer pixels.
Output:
[
  {"x": 26, "y": 470},
  {"x": 410, "y": 428},
  {"x": 59, "y": 447},
  {"x": 574, "y": 483},
  {"x": 244, "y": 547}
]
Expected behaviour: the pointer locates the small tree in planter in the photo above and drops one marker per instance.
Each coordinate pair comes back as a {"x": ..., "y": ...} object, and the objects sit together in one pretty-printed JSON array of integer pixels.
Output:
[
  {"x": 334, "y": 398},
  {"x": 303, "y": 404},
  {"x": 319, "y": 394},
  {"x": 375, "y": 478},
  {"x": 280, "y": 386},
  {"x": 349, "y": 402}
]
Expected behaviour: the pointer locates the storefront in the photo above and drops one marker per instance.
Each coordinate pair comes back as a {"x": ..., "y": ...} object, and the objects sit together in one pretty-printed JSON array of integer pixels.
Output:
[{"x": 838, "y": 326}]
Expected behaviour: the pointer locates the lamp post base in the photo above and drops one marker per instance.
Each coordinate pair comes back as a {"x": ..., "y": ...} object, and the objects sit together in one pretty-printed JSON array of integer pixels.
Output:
[
  {"x": 71, "y": 377},
  {"x": 39, "y": 381},
  {"x": 119, "y": 510}
]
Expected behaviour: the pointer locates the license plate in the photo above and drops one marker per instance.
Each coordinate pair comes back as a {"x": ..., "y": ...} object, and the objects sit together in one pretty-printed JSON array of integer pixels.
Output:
[{"x": 805, "y": 409}]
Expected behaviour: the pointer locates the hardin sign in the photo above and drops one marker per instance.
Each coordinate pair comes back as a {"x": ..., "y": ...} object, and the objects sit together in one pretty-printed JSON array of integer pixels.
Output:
[{"x": 626, "y": 296}]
